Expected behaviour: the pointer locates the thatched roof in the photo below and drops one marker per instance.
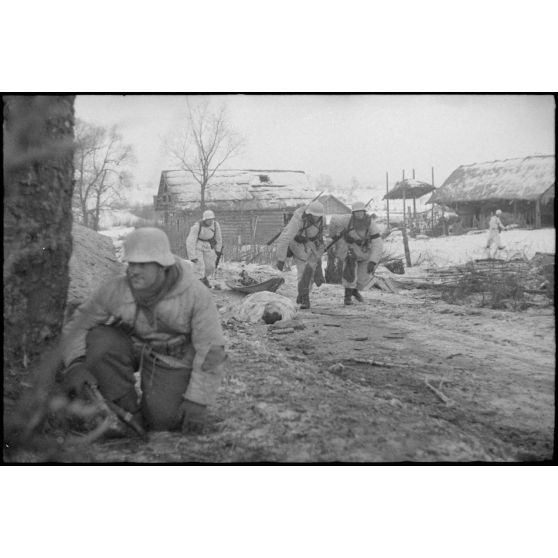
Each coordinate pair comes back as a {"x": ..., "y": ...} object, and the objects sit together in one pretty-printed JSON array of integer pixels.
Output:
[
  {"x": 527, "y": 178},
  {"x": 410, "y": 187},
  {"x": 237, "y": 189}
]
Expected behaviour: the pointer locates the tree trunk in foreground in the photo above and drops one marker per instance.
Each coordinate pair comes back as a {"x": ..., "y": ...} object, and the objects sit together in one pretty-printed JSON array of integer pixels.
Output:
[{"x": 38, "y": 186}]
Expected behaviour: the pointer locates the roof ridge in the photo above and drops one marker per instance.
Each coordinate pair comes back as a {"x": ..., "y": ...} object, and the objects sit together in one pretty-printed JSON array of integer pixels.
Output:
[
  {"x": 242, "y": 170},
  {"x": 508, "y": 159}
]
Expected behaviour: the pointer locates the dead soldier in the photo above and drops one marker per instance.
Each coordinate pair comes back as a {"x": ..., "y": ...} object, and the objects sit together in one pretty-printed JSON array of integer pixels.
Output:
[
  {"x": 157, "y": 319},
  {"x": 359, "y": 246},
  {"x": 303, "y": 239},
  {"x": 204, "y": 245}
]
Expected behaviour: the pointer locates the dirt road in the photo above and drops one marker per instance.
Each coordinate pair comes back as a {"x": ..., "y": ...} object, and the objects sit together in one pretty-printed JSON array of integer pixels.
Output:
[{"x": 352, "y": 386}]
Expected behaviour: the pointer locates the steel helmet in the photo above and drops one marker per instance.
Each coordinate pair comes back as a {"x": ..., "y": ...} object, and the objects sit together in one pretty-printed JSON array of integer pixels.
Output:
[
  {"x": 358, "y": 206},
  {"x": 148, "y": 244},
  {"x": 498, "y": 212},
  {"x": 315, "y": 208},
  {"x": 208, "y": 214}
]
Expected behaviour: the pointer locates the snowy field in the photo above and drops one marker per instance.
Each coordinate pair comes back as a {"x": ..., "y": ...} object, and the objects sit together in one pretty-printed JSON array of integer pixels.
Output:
[{"x": 456, "y": 250}]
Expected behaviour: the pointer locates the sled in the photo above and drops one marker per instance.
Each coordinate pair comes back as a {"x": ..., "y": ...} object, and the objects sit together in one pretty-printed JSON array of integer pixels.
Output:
[{"x": 270, "y": 285}]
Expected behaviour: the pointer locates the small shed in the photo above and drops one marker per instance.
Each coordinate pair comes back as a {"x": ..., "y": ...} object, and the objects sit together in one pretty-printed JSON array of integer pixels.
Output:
[
  {"x": 333, "y": 206},
  {"x": 409, "y": 188},
  {"x": 250, "y": 205},
  {"x": 522, "y": 187}
]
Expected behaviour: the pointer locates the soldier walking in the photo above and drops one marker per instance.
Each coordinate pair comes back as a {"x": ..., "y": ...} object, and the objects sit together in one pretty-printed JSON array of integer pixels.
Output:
[
  {"x": 358, "y": 244},
  {"x": 204, "y": 244},
  {"x": 303, "y": 239}
]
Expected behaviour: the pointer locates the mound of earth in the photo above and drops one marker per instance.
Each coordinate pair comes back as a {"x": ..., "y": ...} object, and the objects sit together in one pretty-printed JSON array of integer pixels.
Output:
[{"x": 93, "y": 260}]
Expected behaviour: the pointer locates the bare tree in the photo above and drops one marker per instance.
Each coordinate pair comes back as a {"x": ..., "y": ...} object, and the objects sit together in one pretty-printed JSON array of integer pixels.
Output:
[
  {"x": 205, "y": 142},
  {"x": 101, "y": 159}
]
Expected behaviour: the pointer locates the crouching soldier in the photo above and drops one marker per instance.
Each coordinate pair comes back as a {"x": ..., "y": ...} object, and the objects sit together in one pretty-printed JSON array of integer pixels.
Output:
[
  {"x": 303, "y": 238},
  {"x": 204, "y": 244},
  {"x": 157, "y": 319},
  {"x": 359, "y": 245}
]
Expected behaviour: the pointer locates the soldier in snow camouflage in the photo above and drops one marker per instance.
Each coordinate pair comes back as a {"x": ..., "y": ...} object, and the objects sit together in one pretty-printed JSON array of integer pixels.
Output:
[{"x": 157, "y": 319}]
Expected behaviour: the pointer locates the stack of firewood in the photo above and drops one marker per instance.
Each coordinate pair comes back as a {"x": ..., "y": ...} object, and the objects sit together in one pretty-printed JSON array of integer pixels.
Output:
[{"x": 485, "y": 270}]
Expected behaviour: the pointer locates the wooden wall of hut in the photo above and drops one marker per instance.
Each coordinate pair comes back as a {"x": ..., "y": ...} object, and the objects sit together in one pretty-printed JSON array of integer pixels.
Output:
[
  {"x": 520, "y": 212},
  {"x": 237, "y": 227}
]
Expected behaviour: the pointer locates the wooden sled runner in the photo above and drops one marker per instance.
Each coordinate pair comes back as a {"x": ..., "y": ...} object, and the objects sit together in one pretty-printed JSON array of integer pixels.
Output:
[{"x": 270, "y": 285}]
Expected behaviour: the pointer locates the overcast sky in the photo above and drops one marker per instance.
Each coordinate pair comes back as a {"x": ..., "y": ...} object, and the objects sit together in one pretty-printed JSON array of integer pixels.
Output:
[{"x": 343, "y": 136}]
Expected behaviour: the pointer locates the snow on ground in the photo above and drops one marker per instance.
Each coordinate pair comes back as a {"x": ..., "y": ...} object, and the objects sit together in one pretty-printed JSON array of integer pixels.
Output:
[
  {"x": 111, "y": 218},
  {"x": 456, "y": 250}
]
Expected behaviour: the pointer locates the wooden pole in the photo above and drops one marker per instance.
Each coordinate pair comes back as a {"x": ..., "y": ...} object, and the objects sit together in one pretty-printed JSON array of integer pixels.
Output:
[
  {"x": 387, "y": 199},
  {"x": 432, "y": 203},
  {"x": 538, "y": 213},
  {"x": 406, "y": 247},
  {"x": 413, "y": 173},
  {"x": 404, "y": 208}
]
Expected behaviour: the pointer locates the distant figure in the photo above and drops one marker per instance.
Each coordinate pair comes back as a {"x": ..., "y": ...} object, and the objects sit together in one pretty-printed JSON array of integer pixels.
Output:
[
  {"x": 444, "y": 223},
  {"x": 495, "y": 226},
  {"x": 204, "y": 244}
]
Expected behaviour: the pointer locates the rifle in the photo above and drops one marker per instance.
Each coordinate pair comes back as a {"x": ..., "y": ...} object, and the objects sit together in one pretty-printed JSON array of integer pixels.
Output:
[
  {"x": 336, "y": 239},
  {"x": 110, "y": 407},
  {"x": 272, "y": 240},
  {"x": 219, "y": 254}
]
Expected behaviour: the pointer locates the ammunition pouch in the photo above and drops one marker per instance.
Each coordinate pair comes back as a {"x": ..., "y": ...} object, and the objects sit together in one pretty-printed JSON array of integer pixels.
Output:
[
  {"x": 212, "y": 243},
  {"x": 174, "y": 347},
  {"x": 361, "y": 243},
  {"x": 317, "y": 240}
]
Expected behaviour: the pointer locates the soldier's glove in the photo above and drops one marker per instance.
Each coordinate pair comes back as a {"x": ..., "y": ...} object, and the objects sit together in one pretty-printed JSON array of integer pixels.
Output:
[
  {"x": 193, "y": 417},
  {"x": 371, "y": 267},
  {"x": 76, "y": 376},
  {"x": 280, "y": 266}
]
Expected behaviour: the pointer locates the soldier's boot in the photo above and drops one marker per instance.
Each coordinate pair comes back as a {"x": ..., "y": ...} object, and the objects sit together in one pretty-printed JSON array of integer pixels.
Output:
[
  {"x": 357, "y": 295},
  {"x": 304, "y": 302},
  {"x": 348, "y": 297},
  {"x": 205, "y": 281},
  {"x": 298, "y": 299}
]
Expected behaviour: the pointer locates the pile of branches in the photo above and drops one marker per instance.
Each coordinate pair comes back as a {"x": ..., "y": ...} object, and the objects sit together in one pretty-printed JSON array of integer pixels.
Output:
[{"x": 496, "y": 283}]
